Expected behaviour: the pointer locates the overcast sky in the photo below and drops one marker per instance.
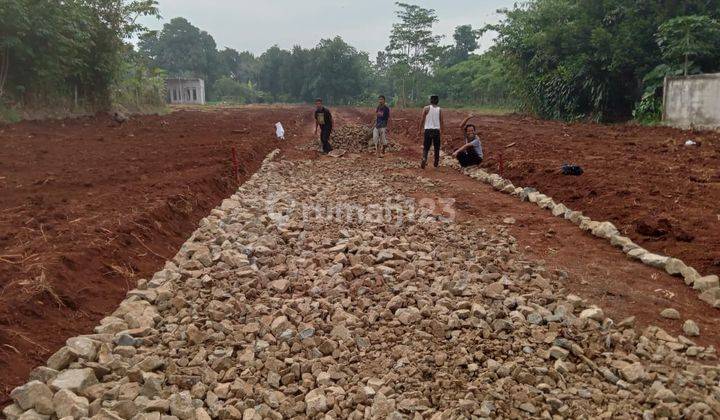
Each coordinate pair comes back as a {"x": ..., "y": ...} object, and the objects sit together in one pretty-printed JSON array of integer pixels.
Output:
[{"x": 365, "y": 24}]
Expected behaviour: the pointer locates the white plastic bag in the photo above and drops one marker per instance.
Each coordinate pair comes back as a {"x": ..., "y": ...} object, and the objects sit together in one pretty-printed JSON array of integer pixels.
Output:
[{"x": 279, "y": 131}]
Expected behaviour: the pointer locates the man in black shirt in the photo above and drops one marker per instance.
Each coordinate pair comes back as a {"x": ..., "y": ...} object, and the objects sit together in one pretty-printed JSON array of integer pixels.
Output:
[
  {"x": 324, "y": 121},
  {"x": 382, "y": 115}
]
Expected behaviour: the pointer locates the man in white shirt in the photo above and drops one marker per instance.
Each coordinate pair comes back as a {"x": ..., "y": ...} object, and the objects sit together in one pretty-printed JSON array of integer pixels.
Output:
[{"x": 431, "y": 126}]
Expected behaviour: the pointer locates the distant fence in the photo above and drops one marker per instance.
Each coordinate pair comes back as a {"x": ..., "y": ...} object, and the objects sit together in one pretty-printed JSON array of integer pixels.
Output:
[{"x": 692, "y": 101}]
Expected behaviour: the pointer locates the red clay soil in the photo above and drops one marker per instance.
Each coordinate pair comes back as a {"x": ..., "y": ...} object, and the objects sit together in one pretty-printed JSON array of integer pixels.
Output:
[
  {"x": 88, "y": 207},
  {"x": 660, "y": 193}
]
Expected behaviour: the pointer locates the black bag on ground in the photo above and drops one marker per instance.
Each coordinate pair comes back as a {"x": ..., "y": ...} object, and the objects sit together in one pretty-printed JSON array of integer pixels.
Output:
[{"x": 573, "y": 170}]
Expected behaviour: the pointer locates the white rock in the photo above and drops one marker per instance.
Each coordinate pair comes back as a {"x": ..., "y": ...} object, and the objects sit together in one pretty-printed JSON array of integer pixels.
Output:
[
  {"x": 711, "y": 296},
  {"x": 62, "y": 358},
  {"x": 74, "y": 380},
  {"x": 675, "y": 267},
  {"x": 12, "y": 412},
  {"x": 408, "y": 315},
  {"x": 654, "y": 260},
  {"x": 636, "y": 253},
  {"x": 707, "y": 282},
  {"x": 558, "y": 353},
  {"x": 633, "y": 372},
  {"x": 68, "y": 404},
  {"x": 84, "y": 347},
  {"x": 181, "y": 406},
  {"x": 315, "y": 402},
  {"x": 670, "y": 313},
  {"x": 593, "y": 313},
  {"x": 280, "y": 285},
  {"x": 690, "y": 275},
  {"x": 33, "y": 395},
  {"x": 559, "y": 210},
  {"x": 605, "y": 230},
  {"x": 691, "y": 328},
  {"x": 33, "y": 415}
]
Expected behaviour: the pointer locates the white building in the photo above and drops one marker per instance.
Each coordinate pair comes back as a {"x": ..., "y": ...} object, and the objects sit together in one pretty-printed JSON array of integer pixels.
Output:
[{"x": 185, "y": 90}]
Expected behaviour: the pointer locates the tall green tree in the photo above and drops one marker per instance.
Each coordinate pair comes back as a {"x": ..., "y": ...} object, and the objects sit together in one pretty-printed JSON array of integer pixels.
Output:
[
  {"x": 240, "y": 66},
  {"x": 685, "y": 38},
  {"x": 479, "y": 80},
  {"x": 270, "y": 80},
  {"x": 584, "y": 58},
  {"x": 340, "y": 71},
  {"x": 413, "y": 46},
  {"x": 52, "y": 49},
  {"x": 466, "y": 42},
  {"x": 16, "y": 25},
  {"x": 298, "y": 72},
  {"x": 182, "y": 49}
]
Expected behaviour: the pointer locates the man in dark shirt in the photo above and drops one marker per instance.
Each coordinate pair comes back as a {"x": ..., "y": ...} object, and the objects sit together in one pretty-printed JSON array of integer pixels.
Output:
[
  {"x": 324, "y": 121},
  {"x": 382, "y": 115}
]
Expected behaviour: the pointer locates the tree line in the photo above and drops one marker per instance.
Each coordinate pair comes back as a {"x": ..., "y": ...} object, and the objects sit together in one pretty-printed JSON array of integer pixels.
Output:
[
  {"x": 332, "y": 69},
  {"x": 561, "y": 59},
  {"x": 413, "y": 64}
]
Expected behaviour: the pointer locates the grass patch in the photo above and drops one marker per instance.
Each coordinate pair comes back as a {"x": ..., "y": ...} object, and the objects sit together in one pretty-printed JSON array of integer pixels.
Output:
[
  {"x": 487, "y": 110},
  {"x": 9, "y": 115}
]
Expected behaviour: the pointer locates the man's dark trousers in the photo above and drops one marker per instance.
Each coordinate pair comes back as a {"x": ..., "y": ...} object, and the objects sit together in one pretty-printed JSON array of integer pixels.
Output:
[
  {"x": 469, "y": 157},
  {"x": 432, "y": 137},
  {"x": 325, "y": 131}
]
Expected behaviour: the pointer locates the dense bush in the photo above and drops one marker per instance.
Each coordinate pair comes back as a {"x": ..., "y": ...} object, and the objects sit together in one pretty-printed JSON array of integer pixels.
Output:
[
  {"x": 573, "y": 59},
  {"x": 65, "y": 53}
]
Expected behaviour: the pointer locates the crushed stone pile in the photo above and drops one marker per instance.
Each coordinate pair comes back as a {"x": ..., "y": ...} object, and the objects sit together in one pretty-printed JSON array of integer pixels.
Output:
[
  {"x": 351, "y": 137},
  {"x": 319, "y": 290},
  {"x": 354, "y": 138}
]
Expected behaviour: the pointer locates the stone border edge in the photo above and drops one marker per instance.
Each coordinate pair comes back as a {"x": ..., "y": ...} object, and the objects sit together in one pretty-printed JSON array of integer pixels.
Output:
[
  {"x": 88, "y": 346},
  {"x": 707, "y": 286}
]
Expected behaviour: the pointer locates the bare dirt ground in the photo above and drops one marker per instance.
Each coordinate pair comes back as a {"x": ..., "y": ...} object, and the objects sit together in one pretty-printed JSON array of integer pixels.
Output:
[
  {"x": 657, "y": 191},
  {"x": 95, "y": 207}
]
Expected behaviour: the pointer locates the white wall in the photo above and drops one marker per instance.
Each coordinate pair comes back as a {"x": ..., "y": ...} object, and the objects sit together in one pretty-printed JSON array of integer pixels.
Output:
[
  {"x": 692, "y": 101},
  {"x": 185, "y": 91}
]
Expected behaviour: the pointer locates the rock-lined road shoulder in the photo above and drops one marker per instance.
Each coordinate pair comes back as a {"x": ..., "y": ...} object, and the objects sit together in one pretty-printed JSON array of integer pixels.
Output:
[{"x": 708, "y": 287}]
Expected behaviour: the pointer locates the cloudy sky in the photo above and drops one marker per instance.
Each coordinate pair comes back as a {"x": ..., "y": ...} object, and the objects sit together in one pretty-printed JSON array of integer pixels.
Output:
[{"x": 365, "y": 24}]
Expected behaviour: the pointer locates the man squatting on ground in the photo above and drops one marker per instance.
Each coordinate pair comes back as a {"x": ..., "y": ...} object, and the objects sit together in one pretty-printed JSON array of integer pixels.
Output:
[
  {"x": 382, "y": 115},
  {"x": 471, "y": 153},
  {"x": 433, "y": 123},
  {"x": 323, "y": 120}
]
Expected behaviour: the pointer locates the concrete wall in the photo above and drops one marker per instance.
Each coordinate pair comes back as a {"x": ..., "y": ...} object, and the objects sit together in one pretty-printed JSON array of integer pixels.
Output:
[
  {"x": 185, "y": 91},
  {"x": 692, "y": 101}
]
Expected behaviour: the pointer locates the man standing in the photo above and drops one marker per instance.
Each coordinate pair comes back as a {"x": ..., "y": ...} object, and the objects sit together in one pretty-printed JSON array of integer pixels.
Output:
[
  {"x": 382, "y": 115},
  {"x": 324, "y": 121},
  {"x": 433, "y": 123},
  {"x": 471, "y": 153}
]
